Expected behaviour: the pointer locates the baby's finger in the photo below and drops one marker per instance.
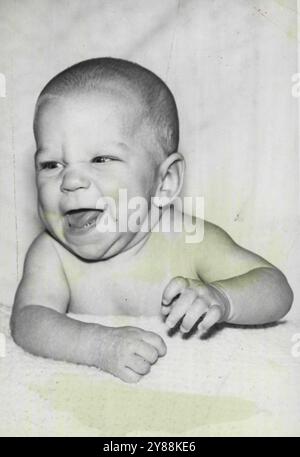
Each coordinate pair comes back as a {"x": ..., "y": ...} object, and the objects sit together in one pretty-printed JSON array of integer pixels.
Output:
[
  {"x": 147, "y": 352},
  {"x": 138, "y": 364},
  {"x": 175, "y": 287},
  {"x": 198, "y": 308},
  {"x": 213, "y": 315},
  {"x": 180, "y": 307},
  {"x": 156, "y": 341},
  {"x": 128, "y": 375}
]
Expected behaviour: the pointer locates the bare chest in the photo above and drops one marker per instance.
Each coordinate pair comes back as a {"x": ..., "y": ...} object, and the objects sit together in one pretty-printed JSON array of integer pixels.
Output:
[
  {"x": 127, "y": 290},
  {"x": 133, "y": 287}
]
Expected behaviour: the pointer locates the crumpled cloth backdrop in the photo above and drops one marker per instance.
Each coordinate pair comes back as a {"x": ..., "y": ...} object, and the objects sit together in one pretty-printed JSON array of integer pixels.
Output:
[{"x": 229, "y": 65}]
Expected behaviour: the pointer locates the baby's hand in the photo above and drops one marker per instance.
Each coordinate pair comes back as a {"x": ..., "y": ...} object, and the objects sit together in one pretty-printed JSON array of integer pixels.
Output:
[
  {"x": 130, "y": 352},
  {"x": 191, "y": 299}
]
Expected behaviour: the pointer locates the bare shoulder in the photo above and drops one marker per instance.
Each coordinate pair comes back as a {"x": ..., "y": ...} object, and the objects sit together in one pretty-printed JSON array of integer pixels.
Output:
[
  {"x": 43, "y": 243},
  {"x": 43, "y": 281},
  {"x": 41, "y": 254},
  {"x": 217, "y": 256},
  {"x": 200, "y": 233},
  {"x": 216, "y": 237}
]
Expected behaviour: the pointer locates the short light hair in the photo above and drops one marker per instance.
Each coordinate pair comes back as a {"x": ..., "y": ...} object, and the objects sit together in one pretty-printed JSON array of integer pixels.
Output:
[{"x": 157, "y": 101}]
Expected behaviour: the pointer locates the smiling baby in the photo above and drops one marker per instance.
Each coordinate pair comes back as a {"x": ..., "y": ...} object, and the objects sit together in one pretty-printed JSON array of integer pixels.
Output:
[{"x": 103, "y": 126}]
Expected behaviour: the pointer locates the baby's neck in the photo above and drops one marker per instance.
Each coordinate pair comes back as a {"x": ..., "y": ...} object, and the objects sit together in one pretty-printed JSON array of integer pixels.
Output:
[{"x": 142, "y": 239}]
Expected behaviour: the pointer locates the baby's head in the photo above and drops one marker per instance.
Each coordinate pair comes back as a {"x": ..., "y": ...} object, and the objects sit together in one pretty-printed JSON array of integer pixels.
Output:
[{"x": 101, "y": 126}]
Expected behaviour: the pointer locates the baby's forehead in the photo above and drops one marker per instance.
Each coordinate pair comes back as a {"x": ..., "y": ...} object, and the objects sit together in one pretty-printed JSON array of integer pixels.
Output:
[
  {"x": 109, "y": 107},
  {"x": 107, "y": 97}
]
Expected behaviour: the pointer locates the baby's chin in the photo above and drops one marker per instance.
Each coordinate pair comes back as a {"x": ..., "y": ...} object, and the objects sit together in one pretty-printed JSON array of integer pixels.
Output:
[
  {"x": 93, "y": 251},
  {"x": 94, "y": 245},
  {"x": 107, "y": 246},
  {"x": 89, "y": 253},
  {"x": 89, "y": 245}
]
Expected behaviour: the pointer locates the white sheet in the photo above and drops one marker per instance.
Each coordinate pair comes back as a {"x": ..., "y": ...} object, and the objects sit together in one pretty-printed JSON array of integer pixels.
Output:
[{"x": 237, "y": 382}]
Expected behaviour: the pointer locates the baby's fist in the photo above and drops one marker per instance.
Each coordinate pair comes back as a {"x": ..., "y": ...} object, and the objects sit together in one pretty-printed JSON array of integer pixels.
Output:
[
  {"x": 130, "y": 352},
  {"x": 189, "y": 300}
]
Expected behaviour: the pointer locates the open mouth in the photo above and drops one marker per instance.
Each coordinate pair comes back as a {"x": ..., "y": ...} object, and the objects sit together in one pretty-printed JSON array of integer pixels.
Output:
[{"x": 83, "y": 219}]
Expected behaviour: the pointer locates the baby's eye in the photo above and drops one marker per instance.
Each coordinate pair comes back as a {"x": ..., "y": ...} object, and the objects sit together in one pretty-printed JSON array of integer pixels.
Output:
[
  {"x": 102, "y": 159},
  {"x": 49, "y": 165}
]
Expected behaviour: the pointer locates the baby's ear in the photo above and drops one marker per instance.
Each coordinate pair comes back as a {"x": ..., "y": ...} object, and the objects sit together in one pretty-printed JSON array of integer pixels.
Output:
[{"x": 171, "y": 173}]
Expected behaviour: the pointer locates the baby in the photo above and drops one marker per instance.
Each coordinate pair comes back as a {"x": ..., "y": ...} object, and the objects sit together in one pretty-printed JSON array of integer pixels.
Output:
[{"x": 101, "y": 127}]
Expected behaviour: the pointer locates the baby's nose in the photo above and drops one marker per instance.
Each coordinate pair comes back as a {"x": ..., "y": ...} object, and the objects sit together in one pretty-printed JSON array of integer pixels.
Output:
[{"x": 73, "y": 180}]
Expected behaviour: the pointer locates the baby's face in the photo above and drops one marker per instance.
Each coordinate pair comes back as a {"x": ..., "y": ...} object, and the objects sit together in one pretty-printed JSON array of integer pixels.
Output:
[{"x": 90, "y": 146}]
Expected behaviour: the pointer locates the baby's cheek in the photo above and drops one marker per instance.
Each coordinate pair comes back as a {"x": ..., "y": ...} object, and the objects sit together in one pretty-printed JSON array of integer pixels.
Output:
[{"x": 47, "y": 195}]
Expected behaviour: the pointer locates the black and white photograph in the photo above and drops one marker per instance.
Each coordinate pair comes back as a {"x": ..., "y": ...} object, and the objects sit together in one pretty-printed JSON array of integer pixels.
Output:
[{"x": 149, "y": 219}]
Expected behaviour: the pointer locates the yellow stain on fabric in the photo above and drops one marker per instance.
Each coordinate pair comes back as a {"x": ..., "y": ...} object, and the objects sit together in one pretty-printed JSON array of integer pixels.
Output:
[
  {"x": 292, "y": 32},
  {"x": 114, "y": 409},
  {"x": 289, "y": 4}
]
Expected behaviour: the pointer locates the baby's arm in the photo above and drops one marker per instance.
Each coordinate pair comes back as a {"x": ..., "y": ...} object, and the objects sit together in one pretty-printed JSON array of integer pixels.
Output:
[
  {"x": 39, "y": 323},
  {"x": 257, "y": 291},
  {"x": 233, "y": 285}
]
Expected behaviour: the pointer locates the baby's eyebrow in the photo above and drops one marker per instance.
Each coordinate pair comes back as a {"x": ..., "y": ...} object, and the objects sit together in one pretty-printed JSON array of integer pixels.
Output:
[
  {"x": 114, "y": 145},
  {"x": 38, "y": 152},
  {"x": 118, "y": 145},
  {"x": 122, "y": 145}
]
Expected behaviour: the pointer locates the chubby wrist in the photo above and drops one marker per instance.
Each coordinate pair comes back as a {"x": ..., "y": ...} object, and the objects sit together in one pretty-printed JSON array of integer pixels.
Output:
[
  {"x": 94, "y": 340},
  {"x": 223, "y": 300}
]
